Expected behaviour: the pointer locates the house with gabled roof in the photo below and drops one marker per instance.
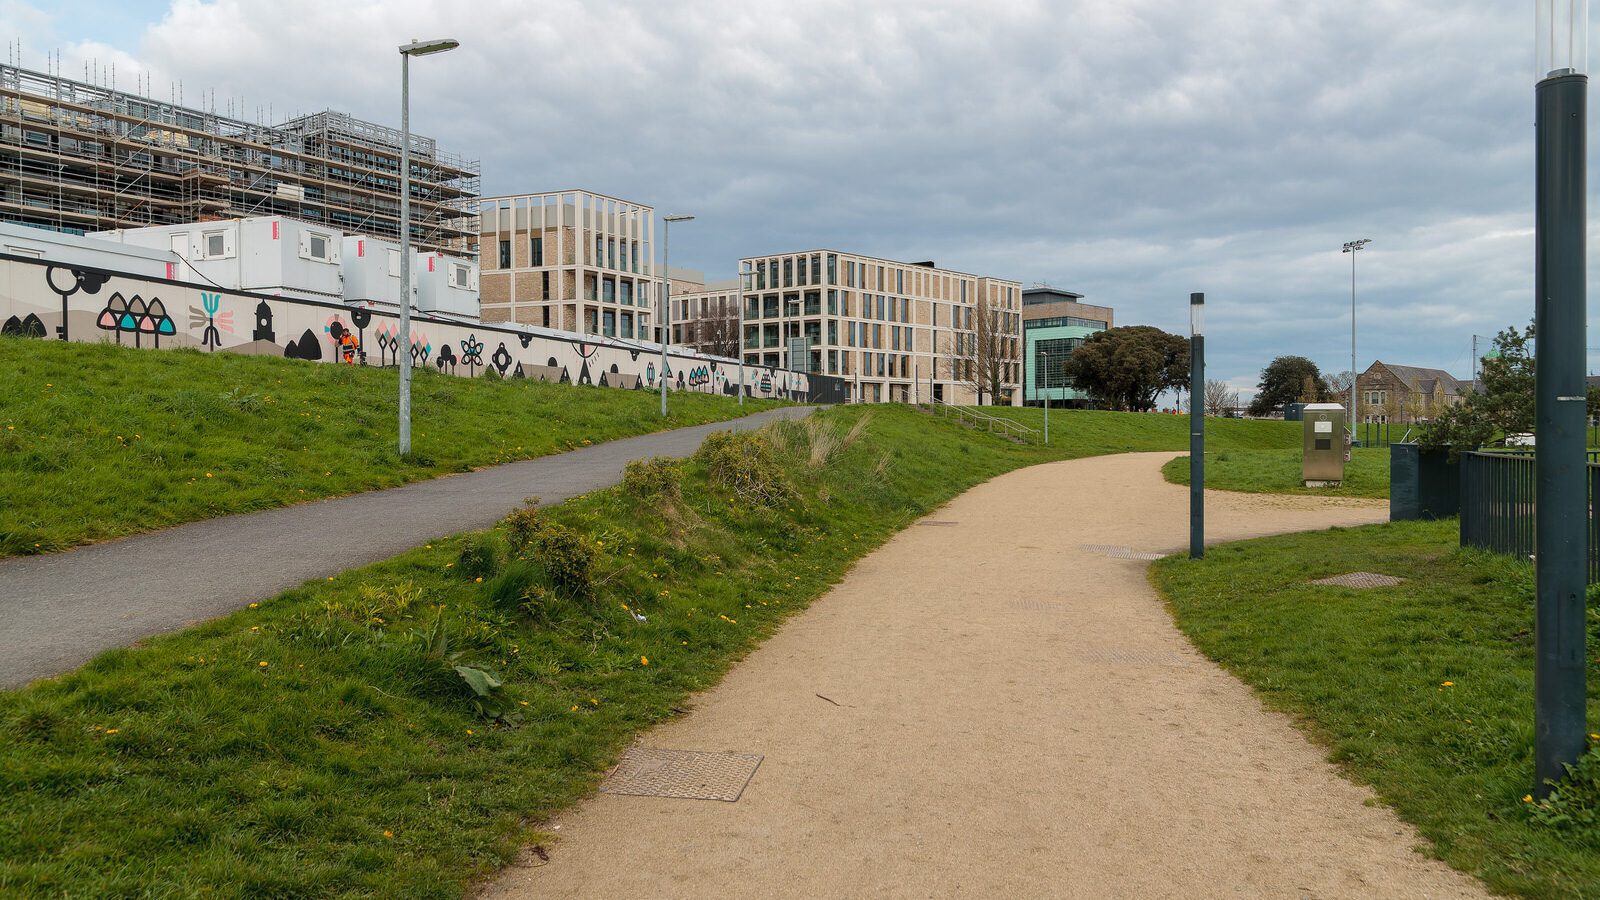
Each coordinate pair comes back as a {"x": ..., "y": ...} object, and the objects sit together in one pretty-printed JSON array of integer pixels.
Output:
[{"x": 1389, "y": 392}]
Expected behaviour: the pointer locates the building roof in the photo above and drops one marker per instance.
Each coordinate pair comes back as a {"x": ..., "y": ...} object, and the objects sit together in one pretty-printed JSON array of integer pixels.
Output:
[{"x": 1424, "y": 380}]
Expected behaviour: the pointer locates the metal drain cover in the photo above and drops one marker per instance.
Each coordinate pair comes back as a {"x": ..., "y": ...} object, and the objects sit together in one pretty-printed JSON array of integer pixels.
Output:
[
  {"x": 685, "y": 774},
  {"x": 1031, "y": 605},
  {"x": 1116, "y": 552},
  {"x": 937, "y": 522},
  {"x": 1361, "y": 580}
]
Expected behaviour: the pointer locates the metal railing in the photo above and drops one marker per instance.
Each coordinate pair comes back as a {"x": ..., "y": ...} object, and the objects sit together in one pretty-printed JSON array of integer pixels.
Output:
[
  {"x": 1497, "y": 505},
  {"x": 1378, "y": 434},
  {"x": 985, "y": 422}
]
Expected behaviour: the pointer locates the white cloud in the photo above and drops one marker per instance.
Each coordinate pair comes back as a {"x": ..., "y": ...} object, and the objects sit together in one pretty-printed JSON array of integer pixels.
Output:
[{"x": 1134, "y": 150}]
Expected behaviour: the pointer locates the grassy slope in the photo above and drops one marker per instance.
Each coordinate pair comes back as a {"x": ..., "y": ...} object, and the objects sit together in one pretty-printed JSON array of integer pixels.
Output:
[
  {"x": 99, "y": 441},
  {"x": 352, "y": 762},
  {"x": 1368, "y": 671},
  {"x": 1149, "y": 431},
  {"x": 1278, "y": 472}
]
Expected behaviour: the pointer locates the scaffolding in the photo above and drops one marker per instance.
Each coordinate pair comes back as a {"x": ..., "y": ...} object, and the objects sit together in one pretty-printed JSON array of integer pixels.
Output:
[{"x": 79, "y": 157}]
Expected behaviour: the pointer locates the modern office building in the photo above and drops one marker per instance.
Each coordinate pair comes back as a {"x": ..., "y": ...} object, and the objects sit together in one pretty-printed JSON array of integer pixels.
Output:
[
  {"x": 573, "y": 260},
  {"x": 897, "y": 331},
  {"x": 81, "y": 157},
  {"x": 1054, "y": 324}
]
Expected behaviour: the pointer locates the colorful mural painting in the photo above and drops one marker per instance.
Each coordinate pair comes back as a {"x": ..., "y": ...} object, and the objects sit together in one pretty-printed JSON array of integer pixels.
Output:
[{"x": 38, "y": 299}]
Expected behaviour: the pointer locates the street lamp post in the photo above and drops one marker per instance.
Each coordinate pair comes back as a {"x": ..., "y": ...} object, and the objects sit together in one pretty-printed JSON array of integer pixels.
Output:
[
  {"x": 1046, "y": 355},
  {"x": 1197, "y": 428},
  {"x": 415, "y": 48},
  {"x": 739, "y": 302},
  {"x": 1561, "y": 496},
  {"x": 666, "y": 298},
  {"x": 1351, "y": 247}
]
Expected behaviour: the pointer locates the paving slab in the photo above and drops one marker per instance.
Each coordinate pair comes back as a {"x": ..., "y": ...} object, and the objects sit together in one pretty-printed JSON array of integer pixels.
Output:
[
  {"x": 1000, "y": 707},
  {"x": 61, "y": 609}
]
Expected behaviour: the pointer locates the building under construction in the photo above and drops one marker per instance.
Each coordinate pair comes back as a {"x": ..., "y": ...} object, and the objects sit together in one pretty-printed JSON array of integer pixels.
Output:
[{"x": 78, "y": 157}]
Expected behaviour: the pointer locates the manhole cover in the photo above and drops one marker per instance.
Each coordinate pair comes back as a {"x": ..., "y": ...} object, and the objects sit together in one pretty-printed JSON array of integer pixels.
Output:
[
  {"x": 1361, "y": 580},
  {"x": 1116, "y": 552},
  {"x": 938, "y": 522},
  {"x": 1036, "y": 605},
  {"x": 686, "y": 774},
  {"x": 1121, "y": 656}
]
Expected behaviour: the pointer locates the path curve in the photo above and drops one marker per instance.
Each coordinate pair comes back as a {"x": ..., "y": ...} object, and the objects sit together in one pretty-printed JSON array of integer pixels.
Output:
[
  {"x": 62, "y": 609},
  {"x": 1016, "y": 716}
]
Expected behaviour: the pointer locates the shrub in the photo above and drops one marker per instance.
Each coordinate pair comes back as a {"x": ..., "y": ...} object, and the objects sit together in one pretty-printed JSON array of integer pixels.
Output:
[
  {"x": 479, "y": 557},
  {"x": 567, "y": 559},
  {"x": 744, "y": 462},
  {"x": 657, "y": 478},
  {"x": 1574, "y": 803},
  {"x": 522, "y": 525}
]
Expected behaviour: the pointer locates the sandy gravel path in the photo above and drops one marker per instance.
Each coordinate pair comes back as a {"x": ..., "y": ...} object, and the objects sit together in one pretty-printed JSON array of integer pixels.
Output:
[{"x": 1016, "y": 716}]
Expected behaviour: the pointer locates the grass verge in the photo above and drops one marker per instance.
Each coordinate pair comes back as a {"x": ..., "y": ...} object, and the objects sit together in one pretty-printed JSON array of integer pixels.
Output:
[
  {"x": 1424, "y": 690},
  {"x": 1277, "y": 471},
  {"x": 1129, "y": 432},
  {"x": 99, "y": 441}
]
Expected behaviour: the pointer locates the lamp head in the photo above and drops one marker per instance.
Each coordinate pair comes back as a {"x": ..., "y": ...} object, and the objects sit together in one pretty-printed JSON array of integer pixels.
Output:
[
  {"x": 1197, "y": 305},
  {"x": 677, "y": 218},
  {"x": 1353, "y": 246},
  {"x": 423, "y": 48},
  {"x": 1560, "y": 38}
]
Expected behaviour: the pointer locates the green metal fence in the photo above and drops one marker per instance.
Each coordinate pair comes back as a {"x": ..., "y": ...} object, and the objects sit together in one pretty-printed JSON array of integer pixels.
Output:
[{"x": 1497, "y": 504}]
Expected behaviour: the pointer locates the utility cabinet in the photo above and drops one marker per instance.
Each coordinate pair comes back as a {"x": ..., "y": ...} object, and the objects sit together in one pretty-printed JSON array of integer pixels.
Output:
[{"x": 1325, "y": 445}]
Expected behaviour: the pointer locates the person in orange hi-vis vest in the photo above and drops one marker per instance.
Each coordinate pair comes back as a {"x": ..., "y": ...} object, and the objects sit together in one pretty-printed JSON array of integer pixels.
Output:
[{"x": 348, "y": 346}]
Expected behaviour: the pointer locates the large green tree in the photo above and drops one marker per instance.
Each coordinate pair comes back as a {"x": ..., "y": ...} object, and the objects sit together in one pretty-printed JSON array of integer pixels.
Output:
[
  {"x": 1502, "y": 404},
  {"x": 1288, "y": 379},
  {"x": 1127, "y": 368}
]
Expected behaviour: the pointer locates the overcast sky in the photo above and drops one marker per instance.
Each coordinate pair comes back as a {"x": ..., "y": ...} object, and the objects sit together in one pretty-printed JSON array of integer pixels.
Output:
[{"x": 1129, "y": 150}]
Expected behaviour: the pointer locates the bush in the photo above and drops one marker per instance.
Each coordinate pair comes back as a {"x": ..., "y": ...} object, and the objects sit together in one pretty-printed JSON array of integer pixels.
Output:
[
  {"x": 657, "y": 478},
  {"x": 567, "y": 559},
  {"x": 744, "y": 462},
  {"x": 479, "y": 557},
  {"x": 522, "y": 525}
]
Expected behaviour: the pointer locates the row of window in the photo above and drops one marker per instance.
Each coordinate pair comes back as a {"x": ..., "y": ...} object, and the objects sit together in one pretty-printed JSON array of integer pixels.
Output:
[
  {"x": 820, "y": 269},
  {"x": 881, "y": 307},
  {"x": 609, "y": 253},
  {"x": 1067, "y": 320}
]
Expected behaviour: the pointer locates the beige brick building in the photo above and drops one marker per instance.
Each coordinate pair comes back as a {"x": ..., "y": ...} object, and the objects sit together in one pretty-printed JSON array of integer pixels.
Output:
[
  {"x": 573, "y": 260},
  {"x": 706, "y": 318},
  {"x": 1395, "y": 393},
  {"x": 888, "y": 327}
]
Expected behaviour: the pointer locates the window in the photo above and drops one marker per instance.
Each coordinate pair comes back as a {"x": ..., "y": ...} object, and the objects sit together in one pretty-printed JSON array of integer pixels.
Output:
[
  {"x": 546, "y": 293},
  {"x": 788, "y": 271},
  {"x": 546, "y": 312},
  {"x": 610, "y": 323},
  {"x": 816, "y": 269},
  {"x": 505, "y": 254},
  {"x": 627, "y": 293},
  {"x": 899, "y": 281},
  {"x": 627, "y": 324},
  {"x": 833, "y": 268},
  {"x": 536, "y": 252},
  {"x": 769, "y": 306},
  {"x": 216, "y": 245},
  {"x": 833, "y": 331},
  {"x": 461, "y": 276}
]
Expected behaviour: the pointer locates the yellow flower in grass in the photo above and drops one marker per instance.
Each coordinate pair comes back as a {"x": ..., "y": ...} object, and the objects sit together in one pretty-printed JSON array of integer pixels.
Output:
[
  {"x": 1527, "y": 798},
  {"x": 262, "y": 664},
  {"x": 644, "y": 660},
  {"x": 112, "y": 730},
  {"x": 388, "y": 834},
  {"x": 1448, "y": 683}
]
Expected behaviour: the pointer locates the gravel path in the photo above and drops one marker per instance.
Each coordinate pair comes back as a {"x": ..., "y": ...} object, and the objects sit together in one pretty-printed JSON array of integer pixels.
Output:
[
  {"x": 1007, "y": 714},
  {"x": 62, "y": 609}
]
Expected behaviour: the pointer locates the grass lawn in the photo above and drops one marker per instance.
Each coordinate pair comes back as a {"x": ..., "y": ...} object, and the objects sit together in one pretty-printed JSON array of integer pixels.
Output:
[
  {"x": 1424, "y": 691},
  {"x": 1131, "y": 432},
  {"x": 323, "y": 742},
  {"x": 99, "y": 441},
  {"x": 1277, "y": 471}
]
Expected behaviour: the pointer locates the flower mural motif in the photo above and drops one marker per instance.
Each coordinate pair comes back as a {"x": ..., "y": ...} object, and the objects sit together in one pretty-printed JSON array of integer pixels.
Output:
[
  {"x": 420, "y": 348},
  {"x": 72, "y": 282},
  {"x": 110, "y": 318},
  {"x": 388, "y": 338},
  {"x": 501, "y": 359},
  {"x": 471, "y": 353},
  {"x": 446, "y": 359},
  {"x": 156, "y": 321},
  {"x": 211, "y": 320}
]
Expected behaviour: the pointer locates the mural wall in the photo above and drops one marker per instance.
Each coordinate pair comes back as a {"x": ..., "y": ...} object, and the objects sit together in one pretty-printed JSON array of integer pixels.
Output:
[{"x": 38, "y": 299}]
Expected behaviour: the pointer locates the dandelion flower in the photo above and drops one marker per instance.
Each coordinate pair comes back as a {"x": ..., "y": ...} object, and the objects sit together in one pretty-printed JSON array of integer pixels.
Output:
[
  {"x": 644, "y": 660},
  {"x": 469, "y": 731},
  {"x": 523, "y": 702},
  {"x": 478, "y": 580},
  {"x": 262, "y": 664},
  {"x": 388, "y": 834},
  {"x": 594, "y": 701},
  {"x": 574, "y": 708},
  {"x": 208, "y": 474},
  {"x": 1449, "y": 684},
  {"x": 254, "y": 605},
  {"x": 1527, "y": 798},
  {"x": 112, "y": 730}
]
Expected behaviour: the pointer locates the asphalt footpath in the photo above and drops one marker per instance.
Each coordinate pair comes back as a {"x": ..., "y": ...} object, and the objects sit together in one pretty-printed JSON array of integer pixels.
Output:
[{"x": 62, "y": 609}]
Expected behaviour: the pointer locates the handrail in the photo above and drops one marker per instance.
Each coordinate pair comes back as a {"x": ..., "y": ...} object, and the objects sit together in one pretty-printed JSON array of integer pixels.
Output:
[{"x": 1007, "y": 427}]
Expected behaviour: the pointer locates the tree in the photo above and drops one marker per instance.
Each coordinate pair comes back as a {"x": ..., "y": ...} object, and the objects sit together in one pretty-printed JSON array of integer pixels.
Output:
[
  {"x": 1126, "y": 368},
  {"x": 1503, "y": 405},
  {"x": 1219, "y": 397},
  {"x": 982, "y": 359},
  {"x": 717, "y": 331},
  {"x": 1339, "y": 385},
  {"x": 1288, "y": 379}
]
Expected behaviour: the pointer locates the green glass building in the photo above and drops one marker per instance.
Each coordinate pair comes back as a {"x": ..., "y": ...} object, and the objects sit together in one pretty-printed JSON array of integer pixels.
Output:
[{"x": 1054, "y": 324}]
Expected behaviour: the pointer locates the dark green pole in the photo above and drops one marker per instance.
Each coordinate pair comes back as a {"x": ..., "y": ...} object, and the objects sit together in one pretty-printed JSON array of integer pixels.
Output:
[
  {"x": 1197, "y": 429},
  {"x": 1561, "y": 515}
]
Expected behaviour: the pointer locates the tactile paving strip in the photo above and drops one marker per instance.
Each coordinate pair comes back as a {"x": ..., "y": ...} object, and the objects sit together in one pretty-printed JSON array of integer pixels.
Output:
[
  {"x": 1116, "y": 552},
  {"x": 1361, "y": 580},
  {"x": 685, "y": 774}
]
